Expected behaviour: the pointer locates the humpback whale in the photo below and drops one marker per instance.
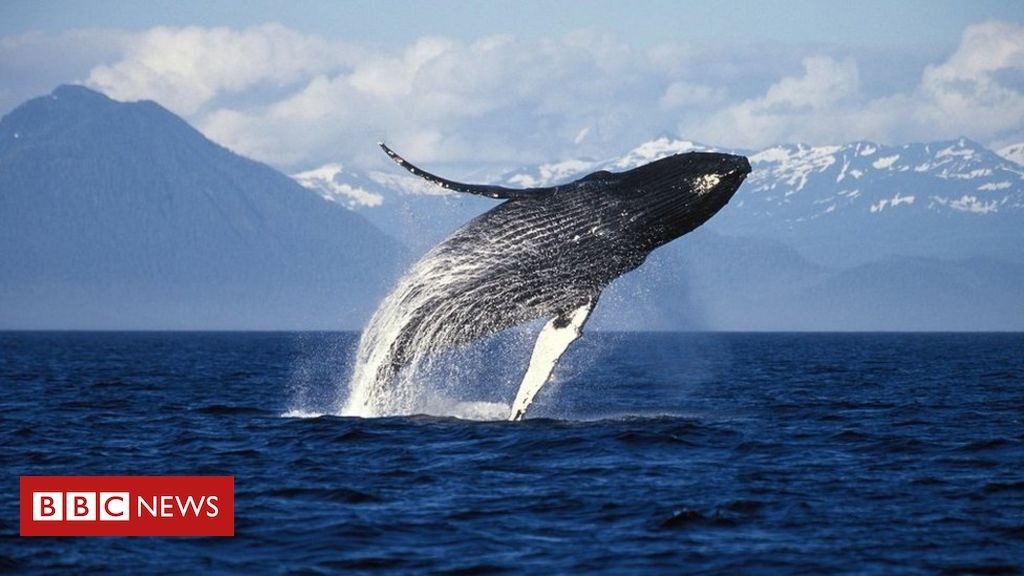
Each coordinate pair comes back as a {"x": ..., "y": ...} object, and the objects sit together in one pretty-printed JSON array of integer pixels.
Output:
[{"x": 543, "y": 253}]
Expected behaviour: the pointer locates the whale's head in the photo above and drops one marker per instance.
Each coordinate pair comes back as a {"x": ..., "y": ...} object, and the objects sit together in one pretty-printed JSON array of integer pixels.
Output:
[{"x": 667, "y": 198}]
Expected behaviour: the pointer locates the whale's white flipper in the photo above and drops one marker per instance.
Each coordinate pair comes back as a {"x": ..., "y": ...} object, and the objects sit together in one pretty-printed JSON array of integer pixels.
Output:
[{"x": 552, "y": 342}]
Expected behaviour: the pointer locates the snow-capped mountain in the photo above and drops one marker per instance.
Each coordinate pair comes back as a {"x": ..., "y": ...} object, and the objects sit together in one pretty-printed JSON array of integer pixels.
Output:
[
  {"x": 791, "y": 183},
  {"x": 356, "y": 190},
  {"x": 414, "y": 211},
  {"x": 958, "y": 176},
  {"x": 567, "y": 170},
  {"x": 329, "y": 182},
  {"x": 795, "y": 183},
  {"x": 857, "y": 202},
  {"x": 930, "y": 199}
]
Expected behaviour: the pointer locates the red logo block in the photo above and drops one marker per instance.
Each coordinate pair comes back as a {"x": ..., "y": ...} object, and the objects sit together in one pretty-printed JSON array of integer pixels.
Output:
[{"x": 127, "y": 505}]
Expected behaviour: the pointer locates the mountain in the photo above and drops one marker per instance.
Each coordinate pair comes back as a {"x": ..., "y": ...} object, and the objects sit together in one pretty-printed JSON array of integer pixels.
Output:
[
  {"x": 709, "y": 281},
  {"x": 855, "y": 236},
  {"x": 857, "y": 202},
  {"x": 122, "y": 216},
  {"x": 838, "y": 205},
  {"x": 410, "y": 209},
  {"x": 848, "y": 204},
  {"x": 957, "y": 176}
]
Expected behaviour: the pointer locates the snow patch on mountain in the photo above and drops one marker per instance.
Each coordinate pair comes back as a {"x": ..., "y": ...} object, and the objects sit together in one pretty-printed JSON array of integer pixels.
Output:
[
  {"x": 653, "y": 150},
  {"x": 885, "y": 163},
  {"x": 789, "y": 166},
  {"x": 891, "y": 202},
  {"x": 995, "y": 186},
  {"x": 328, "y": 182},
  {"x": 1013, "y": 153},
  {"x": 970, "y": 203},
  {"x": 549, "y": 173},
  {"x": 357, "y": 191}
]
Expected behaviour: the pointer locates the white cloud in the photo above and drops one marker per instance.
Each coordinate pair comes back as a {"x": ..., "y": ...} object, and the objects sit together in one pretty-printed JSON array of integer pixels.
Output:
[
  {"x": 495, "y": 99},
  {"x": 298, "y": 100},
  {"x": 185, "y": 68},
  {"x": 791, "y": 109},
  {"x": 824, "y": 83},
  {"x": 682, "y": 94},
  {"x": 967, "y": 92},
  {"x": 984, "y": 50},
  {"x": 964, "y": 95}
]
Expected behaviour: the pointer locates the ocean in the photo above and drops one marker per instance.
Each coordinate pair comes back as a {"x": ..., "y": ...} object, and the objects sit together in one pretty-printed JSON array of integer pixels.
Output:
[{"x": 649, "y": 453}]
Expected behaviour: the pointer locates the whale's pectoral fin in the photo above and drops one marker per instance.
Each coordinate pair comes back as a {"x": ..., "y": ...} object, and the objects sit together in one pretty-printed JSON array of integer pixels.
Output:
[
  {"x": 499, "y": 192},
  {"x": 553, "y": 341}
]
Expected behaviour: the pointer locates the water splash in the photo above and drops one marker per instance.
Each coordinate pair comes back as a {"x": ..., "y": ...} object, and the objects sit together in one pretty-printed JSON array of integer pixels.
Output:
[
  {"x": 302, "y": 414},
  {"x": 415, "y": 357},
  {"x": 313, "y": 378}
]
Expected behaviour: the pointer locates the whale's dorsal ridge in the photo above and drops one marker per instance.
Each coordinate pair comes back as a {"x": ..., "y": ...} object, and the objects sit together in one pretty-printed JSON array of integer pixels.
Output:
[
  {"x": 599, "y": 176},
  {"x": 489, "y": 191}
]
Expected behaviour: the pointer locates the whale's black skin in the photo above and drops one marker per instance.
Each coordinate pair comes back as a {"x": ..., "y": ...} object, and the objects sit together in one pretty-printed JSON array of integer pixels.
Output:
[{"x": 545, "y": 252}]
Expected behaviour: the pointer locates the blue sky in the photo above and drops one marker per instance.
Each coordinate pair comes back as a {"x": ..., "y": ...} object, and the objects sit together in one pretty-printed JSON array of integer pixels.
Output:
[
  {"x": 303, "y": 83},
  {"x": 869, "y": 22}
]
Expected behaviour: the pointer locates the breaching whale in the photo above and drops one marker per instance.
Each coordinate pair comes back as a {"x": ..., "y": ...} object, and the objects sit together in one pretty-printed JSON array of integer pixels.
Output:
[{"x": 542, "y": 253}]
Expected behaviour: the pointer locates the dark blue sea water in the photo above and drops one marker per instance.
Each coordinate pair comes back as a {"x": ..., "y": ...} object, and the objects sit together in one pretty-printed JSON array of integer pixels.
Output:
[{"x": 668, "y": 453}]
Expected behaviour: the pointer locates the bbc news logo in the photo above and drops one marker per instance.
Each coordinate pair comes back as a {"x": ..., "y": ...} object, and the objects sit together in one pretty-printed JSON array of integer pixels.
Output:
[{"x": 127, "y": 506}]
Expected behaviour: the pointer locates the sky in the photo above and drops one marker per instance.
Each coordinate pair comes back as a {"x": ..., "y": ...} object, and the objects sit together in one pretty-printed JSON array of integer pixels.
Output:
[{"x": 303, "y": 83}]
